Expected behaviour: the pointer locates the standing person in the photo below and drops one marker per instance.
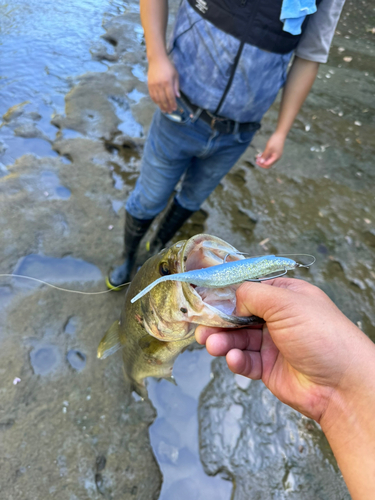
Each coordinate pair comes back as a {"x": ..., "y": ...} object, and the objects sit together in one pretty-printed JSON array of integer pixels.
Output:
[{"x": 225, "y": 63}]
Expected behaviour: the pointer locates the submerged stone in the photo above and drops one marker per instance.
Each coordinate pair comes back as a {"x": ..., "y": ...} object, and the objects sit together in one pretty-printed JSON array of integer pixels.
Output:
[
  {"x": 76, "y": 359},
  {"x": 45, "y": 359}
]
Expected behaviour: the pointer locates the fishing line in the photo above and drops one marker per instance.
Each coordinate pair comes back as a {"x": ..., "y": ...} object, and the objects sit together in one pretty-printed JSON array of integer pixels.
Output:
[
  {"x": 58, "y": 287},
  {"x": 299, "y": 255}
]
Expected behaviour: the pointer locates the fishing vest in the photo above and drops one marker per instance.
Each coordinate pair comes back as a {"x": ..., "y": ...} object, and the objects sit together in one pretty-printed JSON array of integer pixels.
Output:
[{"x": 256, "y": 22}]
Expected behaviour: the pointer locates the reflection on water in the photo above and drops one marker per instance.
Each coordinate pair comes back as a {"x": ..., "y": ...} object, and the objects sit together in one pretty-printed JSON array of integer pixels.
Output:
[
  {"x": 55, "y": 271},
  {"x": 45, "y": 44},
  {"x": 175, "y": 436}
]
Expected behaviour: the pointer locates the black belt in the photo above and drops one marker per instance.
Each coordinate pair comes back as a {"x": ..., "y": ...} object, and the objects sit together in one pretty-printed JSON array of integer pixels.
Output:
[{"x": 219, "y": 123}]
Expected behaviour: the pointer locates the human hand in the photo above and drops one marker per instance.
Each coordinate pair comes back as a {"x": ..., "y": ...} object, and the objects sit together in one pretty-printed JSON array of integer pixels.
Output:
[
  {"x": 304, "y": 352},
  {"x": 163, "y": 83},
  {"x": 273, "y": 151}
]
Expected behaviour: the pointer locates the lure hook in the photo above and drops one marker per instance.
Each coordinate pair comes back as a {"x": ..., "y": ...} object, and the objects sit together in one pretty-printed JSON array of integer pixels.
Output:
[{"x": 258, "y": 280}]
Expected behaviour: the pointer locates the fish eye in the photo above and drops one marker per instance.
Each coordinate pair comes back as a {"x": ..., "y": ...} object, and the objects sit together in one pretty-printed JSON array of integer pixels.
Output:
[{"x": 164, "y": 269}]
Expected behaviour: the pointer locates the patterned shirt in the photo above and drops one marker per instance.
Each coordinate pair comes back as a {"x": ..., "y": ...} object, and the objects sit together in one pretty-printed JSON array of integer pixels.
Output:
[{"x": 204, "y": 57}]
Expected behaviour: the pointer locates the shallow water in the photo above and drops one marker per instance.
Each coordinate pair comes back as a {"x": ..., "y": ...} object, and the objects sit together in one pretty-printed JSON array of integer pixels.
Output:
[{"x": 73, "y": 96}]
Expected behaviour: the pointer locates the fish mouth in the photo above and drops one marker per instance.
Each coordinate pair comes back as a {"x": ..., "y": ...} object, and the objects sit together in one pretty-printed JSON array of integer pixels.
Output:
[{"x": 217, "y": 306}]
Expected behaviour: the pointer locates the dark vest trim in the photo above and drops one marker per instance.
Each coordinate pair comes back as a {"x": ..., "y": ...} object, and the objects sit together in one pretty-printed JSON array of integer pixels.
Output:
[
  {"x": 235, "y": 64},
  {"x": 256, "y": 22}
]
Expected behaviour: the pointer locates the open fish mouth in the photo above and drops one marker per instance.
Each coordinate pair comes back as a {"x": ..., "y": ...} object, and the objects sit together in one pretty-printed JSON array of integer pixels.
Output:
[{"x": 202, "y": 251}]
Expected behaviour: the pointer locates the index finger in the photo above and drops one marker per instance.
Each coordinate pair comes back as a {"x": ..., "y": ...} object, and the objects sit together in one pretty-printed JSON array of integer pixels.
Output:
[{"x": 203, "y": 332}]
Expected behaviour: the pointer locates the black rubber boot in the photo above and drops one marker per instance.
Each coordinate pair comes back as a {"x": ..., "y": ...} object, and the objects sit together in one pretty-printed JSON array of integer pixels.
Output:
[
  {"x": 173, "y": 219},
  {"x": 134, "y": 231}
]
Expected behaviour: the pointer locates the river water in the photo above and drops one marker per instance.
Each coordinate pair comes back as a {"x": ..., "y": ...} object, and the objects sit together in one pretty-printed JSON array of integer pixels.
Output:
[{"x": 75, "y": 111}]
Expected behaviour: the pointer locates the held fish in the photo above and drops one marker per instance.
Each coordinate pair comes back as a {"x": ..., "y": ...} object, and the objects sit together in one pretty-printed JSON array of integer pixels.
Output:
[
  {"x": 154, "y": 330},
  {"x": 228, "y": 273}
]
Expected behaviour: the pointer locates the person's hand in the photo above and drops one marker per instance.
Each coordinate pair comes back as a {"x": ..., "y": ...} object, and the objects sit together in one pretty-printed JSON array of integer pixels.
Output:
[
  {"x": 273, "y": 151},
  {"x": 304, "y": 352},
  {"x": 163, "y": 83}
]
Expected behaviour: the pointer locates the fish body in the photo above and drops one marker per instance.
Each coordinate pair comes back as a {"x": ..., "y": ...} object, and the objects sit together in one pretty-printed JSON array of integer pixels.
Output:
[
  {"x": 228, "y": 273},
  {"x": 154, "y": 330}
]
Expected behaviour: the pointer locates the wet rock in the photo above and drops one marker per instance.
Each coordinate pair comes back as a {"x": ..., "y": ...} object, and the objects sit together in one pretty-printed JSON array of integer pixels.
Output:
[
  {"x": 45, "y": 359},
  {"x": 88, "y": 108},
  {"x": 76, "y": 359},
  {"x": 29, "y": 131},
  {"x": 369, "y": 237},
  {"x": 99, "y": 483},
  {"x": 6, "y": 424},
  {"x": 359, "y": 283},
  {"x": 127, "y": 142},
  {"x": 39, "y": 183},
  {"x": 121, "y": 32},
  {"x": 244, "y": 220},
  {"x": 323, "y": 249},
  {"x": 257, "y": 440},
  {"x": 101, "y": 53},
  {"x": 15, "y": 112},
  {"x": 33, "y": 115},
  {"x": 80, "y": 148},
  {"x": 100, "y": 463}
]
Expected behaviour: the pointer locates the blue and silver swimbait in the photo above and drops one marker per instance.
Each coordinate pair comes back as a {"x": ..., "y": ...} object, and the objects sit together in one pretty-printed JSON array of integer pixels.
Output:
[{"x": 228, "y": 273}]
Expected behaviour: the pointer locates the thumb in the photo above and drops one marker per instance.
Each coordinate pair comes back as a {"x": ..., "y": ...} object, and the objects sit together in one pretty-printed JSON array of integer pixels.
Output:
[{"x": 264, "y": 300}]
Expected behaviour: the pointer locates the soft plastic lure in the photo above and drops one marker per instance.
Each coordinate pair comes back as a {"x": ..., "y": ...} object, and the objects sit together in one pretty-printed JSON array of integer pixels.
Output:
[{"x": 229, "y": 273}]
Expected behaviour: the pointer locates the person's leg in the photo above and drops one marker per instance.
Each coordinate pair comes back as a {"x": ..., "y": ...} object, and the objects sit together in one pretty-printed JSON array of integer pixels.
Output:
[
  {"x": 217, "y": 155},
  {"x": 206, "y": 171},
  {"x": 168, "y": 152}
]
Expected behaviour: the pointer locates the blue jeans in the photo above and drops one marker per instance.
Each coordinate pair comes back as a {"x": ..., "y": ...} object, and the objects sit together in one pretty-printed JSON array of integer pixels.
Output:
[{"x": 190, "y": 148}]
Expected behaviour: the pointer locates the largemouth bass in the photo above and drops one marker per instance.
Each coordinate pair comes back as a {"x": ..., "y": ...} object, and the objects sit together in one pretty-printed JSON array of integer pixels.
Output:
[{"x": 155, "y": 329}]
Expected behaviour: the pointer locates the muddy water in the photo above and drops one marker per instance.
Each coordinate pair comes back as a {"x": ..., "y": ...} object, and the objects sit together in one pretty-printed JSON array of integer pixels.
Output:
[{"x": 73, "y": 97}]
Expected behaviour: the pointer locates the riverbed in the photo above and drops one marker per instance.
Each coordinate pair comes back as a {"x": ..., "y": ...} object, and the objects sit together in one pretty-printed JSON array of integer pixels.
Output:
[{"x": 75, "y": 113}]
